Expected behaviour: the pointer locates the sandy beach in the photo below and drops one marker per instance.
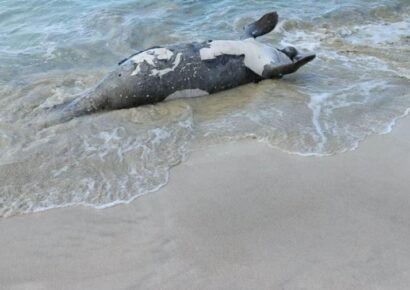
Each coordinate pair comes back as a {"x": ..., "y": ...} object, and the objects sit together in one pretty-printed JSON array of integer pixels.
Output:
[{"x": 234, "y": 216}]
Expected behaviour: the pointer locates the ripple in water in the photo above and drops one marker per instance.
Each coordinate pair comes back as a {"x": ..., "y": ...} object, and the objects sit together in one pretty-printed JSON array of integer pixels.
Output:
[{"x": 105, "y": 160}]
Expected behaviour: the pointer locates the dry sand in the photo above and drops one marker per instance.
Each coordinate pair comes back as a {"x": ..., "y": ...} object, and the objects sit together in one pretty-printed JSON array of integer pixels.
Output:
[{"x": 235, "y": 216}]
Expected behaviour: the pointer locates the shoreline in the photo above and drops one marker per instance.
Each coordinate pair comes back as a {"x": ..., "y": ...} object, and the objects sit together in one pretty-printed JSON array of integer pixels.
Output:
[{"x": 264, "y": 217}]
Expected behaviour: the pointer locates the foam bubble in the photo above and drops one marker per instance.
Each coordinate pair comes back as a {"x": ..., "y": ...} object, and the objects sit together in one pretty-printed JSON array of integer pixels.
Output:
[{"x": 100, "y": 163}]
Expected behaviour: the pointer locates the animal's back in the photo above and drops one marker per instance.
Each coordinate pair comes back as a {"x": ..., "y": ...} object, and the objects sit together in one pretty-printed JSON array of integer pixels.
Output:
[{"x": 152, "y": 75}]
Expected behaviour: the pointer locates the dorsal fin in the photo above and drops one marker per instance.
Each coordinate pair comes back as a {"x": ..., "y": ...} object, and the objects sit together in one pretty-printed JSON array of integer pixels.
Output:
[
  {"x": 134, "y": 54},
  {"x": 262, "y": 26}
]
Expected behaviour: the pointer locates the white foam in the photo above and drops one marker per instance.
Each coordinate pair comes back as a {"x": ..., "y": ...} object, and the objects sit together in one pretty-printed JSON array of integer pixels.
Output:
[
  {"x": 389, "y": 127},
  {"x": 159, "y": 135},
  {"x": 379, "y": 33},
  {"x": 309, "y": 41},
  {"x": 256, "y": 54},
  {"x": 315, "y": 105}
]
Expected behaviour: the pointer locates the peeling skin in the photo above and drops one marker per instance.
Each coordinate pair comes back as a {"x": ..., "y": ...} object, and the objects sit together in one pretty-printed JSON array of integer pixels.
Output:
[
  {"x": 150, "y": 56},
  {"x": 189, "y": 93},
  {"x": 257, "y": 55},
  {"x": 160, "y": 73}
]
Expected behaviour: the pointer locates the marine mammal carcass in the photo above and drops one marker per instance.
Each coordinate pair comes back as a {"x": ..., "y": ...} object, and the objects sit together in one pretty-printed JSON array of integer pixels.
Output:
[{"x": 186, "y": 70}]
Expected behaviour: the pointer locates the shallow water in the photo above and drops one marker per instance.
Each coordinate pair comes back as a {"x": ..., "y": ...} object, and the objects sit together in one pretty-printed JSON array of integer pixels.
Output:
[{"x": 52, "y": 50}]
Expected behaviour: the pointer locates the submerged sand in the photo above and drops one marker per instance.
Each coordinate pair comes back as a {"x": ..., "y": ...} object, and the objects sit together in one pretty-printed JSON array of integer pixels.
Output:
[{"x": 234, "y": 216}]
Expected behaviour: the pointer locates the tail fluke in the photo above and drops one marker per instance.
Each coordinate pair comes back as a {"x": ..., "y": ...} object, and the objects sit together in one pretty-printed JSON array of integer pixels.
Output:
[{"x": 262, "y": 26}]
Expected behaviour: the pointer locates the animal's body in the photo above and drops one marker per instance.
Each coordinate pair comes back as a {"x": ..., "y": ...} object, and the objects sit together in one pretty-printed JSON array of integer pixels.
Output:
[{"x": 185, "y": 70}]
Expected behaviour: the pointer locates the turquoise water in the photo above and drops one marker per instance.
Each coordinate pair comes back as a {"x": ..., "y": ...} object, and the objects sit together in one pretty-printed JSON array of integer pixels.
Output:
[
  {"x": 39, "y": 36},
  {"x": 50, "y": 51}
]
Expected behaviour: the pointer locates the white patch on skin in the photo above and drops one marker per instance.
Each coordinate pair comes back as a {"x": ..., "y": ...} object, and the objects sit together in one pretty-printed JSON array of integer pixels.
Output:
[
  {"x": 149, "y": 56},
  {"x": 161, "y": 72},
  {"x": 257, "y": 54},
  {"x": 188, "y": 93}
]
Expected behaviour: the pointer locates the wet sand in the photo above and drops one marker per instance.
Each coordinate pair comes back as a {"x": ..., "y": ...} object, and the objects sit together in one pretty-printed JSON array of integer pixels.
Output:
[{"x": 234, "y": 216}]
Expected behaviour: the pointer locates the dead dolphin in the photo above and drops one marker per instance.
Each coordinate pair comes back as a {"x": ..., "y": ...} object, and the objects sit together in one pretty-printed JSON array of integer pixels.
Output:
[{"x": 187, "y": 70}]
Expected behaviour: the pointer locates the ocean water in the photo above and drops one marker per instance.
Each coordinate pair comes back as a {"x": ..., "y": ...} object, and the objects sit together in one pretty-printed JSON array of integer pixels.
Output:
[{"x": 52, "y": 50}]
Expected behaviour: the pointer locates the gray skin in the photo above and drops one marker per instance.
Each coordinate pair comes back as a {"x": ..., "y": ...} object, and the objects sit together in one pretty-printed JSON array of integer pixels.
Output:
[{"x": 121, "y": 89}]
